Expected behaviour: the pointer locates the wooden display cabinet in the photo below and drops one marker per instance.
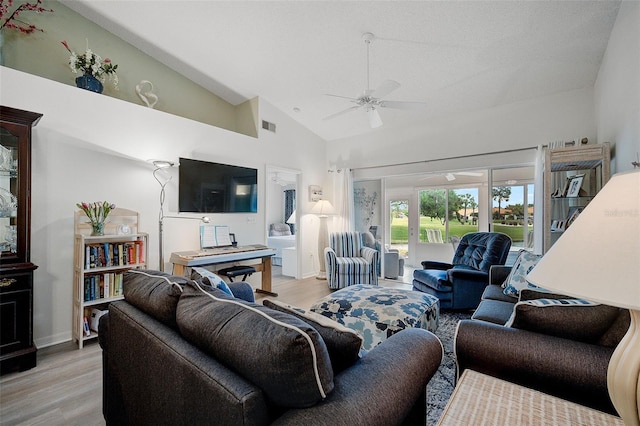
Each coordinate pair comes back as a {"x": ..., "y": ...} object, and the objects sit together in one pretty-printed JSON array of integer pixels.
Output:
[{"x": 17, "y": 350}]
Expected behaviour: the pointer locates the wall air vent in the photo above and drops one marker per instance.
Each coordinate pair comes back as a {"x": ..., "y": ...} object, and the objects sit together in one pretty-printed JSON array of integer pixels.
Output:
[{"x": 269, "y": 126}]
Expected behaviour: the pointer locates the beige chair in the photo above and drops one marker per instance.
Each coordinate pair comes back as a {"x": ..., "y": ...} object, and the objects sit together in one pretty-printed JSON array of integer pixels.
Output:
[{"x": 434, "y": 236}]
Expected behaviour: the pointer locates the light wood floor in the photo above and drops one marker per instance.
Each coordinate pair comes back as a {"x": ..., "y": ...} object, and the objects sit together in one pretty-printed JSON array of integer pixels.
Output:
[{"x": 65, "y": 388}]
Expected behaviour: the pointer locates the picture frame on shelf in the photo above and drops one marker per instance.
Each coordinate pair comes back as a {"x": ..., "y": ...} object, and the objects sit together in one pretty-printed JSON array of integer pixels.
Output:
[
  {"x": 565, "y": 189},
  {"x": 574, "y": 186},
  {"x": 573, "y": 214}
]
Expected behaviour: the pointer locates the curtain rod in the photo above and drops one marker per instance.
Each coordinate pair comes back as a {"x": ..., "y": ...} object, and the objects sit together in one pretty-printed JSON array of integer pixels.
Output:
[{"x": 448, "y": 158}]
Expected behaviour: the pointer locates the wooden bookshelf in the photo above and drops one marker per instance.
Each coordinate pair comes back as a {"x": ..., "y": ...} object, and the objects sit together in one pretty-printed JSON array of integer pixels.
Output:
[{"x": 100, "y": 262}]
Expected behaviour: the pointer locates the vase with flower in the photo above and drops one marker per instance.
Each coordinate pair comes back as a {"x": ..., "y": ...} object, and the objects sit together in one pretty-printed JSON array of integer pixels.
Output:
[
  {"x": 95, "y": 70},
  {"x": 97, "y": 213}
]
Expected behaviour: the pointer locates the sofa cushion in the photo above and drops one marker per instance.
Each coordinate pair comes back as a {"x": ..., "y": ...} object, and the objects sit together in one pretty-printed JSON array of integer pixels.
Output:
[
  {"x": 496, "y": 292},
  {"x": 573, "y": 319},
  {"x": 155, "y": 293},
  {"x": 342, "y": 342},
  {"x": 494, "y": 311},
  {"x": 618, "y": 329},
  {"x": 208, "y": 277},
  {"x": 516, "y": 280},
  {"x": 278, "y": 352}
]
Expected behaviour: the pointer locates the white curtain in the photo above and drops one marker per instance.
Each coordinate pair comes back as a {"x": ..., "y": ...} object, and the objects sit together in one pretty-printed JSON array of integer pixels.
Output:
[
  {"x": 343, "y": 221},
  {"x": 538, "y": 202}
]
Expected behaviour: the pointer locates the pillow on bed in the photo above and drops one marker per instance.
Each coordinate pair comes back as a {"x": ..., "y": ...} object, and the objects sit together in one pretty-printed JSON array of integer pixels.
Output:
[{"x": 279, "y": 229}]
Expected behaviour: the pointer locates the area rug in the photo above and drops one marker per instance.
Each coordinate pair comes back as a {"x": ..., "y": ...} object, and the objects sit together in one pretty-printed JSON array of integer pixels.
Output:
[{"x": 442, "y": 383}]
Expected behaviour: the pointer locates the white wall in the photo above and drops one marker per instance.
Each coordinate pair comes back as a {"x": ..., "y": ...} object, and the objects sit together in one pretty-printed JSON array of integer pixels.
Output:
[
  {"x": 564, "y": 116},
  {"x": 617, "y": 89},
  {"x": 89, "y": 147}
]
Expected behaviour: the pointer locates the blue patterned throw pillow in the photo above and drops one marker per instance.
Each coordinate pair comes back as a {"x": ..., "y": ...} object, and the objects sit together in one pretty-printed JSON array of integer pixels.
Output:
[
  {"x": 517, "y": 279},
  {"x": 212, "y": 279}
]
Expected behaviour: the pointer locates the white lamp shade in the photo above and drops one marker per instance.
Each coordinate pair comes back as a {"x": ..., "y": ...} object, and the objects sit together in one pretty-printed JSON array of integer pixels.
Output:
[
  {"x": 598, "y": 257},
  {"x": 323, "y": 208},
  {"x": 292, "y": 218}
]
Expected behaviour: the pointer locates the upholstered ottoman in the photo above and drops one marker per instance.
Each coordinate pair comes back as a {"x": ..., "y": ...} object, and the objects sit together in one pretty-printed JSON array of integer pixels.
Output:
[{"x": 377, "y": 312}]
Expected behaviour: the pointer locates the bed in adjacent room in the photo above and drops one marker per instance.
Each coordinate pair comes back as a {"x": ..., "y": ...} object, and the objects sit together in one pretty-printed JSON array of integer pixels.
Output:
[{"x": 280, "y": 237}]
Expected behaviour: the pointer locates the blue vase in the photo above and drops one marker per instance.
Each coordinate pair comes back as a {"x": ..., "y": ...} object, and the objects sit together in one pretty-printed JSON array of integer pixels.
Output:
[{"x": 89, "y": 82}]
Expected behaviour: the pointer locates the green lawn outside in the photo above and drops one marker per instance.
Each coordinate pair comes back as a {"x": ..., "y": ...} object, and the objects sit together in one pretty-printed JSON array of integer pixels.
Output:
[{"x": 399, "y": 226}]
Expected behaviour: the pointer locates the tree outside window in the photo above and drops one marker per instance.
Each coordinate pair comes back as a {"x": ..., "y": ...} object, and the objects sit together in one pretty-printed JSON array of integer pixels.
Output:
[{"x": 444, "y": 213}]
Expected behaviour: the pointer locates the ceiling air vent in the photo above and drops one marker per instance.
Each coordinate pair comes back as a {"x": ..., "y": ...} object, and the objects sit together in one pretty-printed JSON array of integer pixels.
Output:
[{"x": 269, "y": 126}]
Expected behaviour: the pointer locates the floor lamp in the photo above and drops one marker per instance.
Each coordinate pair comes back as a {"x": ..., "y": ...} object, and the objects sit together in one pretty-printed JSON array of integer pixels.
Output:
[
  {"x": 596, "y": 258},
  {"x": 323, "y": 209},
  {"x": 163, "y": 177}
]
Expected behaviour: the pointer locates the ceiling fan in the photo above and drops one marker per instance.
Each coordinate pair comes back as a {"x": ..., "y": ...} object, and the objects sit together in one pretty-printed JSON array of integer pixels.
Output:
[
  {"x": 371, "y": 100},
  {"x": 450, "y": 176}
]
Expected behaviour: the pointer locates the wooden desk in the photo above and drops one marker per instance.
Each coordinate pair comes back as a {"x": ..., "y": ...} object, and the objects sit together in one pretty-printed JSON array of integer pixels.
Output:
[
  {"x": 184, "y": 260},
  {"x": 483, "y": 400}
]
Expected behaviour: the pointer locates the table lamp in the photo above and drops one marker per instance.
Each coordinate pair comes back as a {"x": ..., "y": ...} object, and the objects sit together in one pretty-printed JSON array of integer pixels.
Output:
[
  {"x": 323, "y": 209},
  {"x": 598, "y": 258},
  {"x": 292, "y": 218}
]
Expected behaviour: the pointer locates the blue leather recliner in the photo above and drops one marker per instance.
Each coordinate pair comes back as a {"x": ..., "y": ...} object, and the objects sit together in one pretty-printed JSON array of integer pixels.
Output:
[{"x": 459, "y": 284}]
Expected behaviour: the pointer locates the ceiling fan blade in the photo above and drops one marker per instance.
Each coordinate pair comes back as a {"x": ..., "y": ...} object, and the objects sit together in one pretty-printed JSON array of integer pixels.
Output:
[
  {"x": 385, "y": 88},
  {"x": 469, "y": 173},
  {"x": 403, "y": 105},
  {"x": 337, "y": 114},
  {"x": 374, "y": 118},
  {"x": 342, "y": 97}
]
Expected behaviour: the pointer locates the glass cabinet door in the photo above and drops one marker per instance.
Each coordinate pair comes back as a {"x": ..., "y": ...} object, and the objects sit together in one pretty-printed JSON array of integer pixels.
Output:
[{"x": 9, "y": 187}]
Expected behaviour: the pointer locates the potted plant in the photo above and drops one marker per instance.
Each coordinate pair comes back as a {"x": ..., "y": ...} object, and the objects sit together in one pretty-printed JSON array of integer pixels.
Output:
[
  {"x": 94, "y": 69},
  {"x": 97, "y": 213}
]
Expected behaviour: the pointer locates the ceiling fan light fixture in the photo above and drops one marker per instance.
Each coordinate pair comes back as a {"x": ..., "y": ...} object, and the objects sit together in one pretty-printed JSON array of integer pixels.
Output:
[
  {"x": 374, "y": 118},
  {"x": 371, "y": 100}
]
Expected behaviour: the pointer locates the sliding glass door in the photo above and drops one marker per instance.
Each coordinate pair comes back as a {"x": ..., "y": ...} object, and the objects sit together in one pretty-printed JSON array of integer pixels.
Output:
[
  {"x": 512, "y": 209},
  {"x": 399, "y": 226}
]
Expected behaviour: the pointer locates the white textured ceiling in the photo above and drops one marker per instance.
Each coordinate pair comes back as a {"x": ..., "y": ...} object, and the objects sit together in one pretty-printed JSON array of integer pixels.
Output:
[{"x": 453, "y": 55}]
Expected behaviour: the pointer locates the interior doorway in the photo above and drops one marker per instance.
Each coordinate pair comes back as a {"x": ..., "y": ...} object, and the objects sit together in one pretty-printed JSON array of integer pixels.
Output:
[{"x": 281, "y": 218}]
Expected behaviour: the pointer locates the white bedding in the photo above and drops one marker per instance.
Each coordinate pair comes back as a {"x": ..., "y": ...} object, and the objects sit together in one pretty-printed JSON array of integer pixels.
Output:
[{"x": 279, "y": 243}]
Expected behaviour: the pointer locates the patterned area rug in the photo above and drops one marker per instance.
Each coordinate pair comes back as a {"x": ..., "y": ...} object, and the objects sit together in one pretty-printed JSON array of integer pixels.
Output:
[{"x": 441, "y": 385}]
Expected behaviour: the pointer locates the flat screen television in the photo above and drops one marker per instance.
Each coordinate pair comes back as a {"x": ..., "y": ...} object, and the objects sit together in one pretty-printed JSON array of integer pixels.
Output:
[{"x": 206, "y": 187}]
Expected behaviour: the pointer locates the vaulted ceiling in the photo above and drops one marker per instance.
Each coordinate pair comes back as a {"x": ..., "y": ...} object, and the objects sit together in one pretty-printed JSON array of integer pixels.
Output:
[{"x": 453, "y": 55}]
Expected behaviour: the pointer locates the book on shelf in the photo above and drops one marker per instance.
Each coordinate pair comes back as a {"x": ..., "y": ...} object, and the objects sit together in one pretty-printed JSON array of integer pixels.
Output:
[
  {"x": 102, "y": 286},
  {"x": 104, "y": 255},
  {"x": 85, "y": 326}
]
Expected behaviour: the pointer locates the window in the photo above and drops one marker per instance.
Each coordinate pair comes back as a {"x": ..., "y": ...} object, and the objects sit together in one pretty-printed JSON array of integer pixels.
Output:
[
  {"x": 446, "y": 213},
  {"x": 512, "y": 204}
]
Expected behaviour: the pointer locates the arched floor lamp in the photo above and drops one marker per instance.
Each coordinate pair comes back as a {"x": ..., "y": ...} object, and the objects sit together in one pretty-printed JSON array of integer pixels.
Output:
[{"x": 163, "y": 177}]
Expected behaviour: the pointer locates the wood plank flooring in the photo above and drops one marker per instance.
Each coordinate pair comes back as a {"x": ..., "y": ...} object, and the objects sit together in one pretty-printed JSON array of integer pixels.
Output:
[{"x": 65, "y": 388}]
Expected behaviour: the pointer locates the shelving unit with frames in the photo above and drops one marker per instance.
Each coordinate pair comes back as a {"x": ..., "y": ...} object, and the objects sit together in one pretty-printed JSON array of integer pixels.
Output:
[
  {"x": 592, "y": 161},
  {"x": 99, "y": 261}
]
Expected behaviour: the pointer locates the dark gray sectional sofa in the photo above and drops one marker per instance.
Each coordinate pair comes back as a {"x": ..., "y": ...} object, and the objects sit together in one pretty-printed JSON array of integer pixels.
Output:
[
  {"x": 562, "y": 352},
  {"x": 178, "y": 352}
]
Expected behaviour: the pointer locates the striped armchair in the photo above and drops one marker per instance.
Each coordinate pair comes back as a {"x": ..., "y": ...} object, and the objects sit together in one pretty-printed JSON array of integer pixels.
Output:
[{"x": 349, "y": 261}]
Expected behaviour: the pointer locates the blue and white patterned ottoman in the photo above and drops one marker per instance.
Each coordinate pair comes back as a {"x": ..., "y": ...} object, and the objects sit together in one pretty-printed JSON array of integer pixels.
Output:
[{"x": 378, "y": 312}]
